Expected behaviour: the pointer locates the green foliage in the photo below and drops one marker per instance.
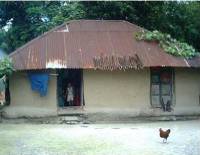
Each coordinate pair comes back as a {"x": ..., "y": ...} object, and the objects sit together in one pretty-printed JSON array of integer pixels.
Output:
[
  {"x": 170, "y": 45},
  {"x": 6, "y": 67},
  {"x": 30, "y": 19}
]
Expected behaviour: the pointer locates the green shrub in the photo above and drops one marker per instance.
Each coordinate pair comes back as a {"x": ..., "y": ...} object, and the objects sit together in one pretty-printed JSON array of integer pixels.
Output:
[{"x": 6, "y": 67}]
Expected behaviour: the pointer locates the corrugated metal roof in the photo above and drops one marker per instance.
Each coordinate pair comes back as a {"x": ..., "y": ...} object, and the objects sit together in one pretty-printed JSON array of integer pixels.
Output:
[{"x": 79, "y": 44}]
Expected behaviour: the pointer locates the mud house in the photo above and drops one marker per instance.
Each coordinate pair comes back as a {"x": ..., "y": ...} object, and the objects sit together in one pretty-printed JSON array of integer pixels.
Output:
[{"x": 110, "y": 71}]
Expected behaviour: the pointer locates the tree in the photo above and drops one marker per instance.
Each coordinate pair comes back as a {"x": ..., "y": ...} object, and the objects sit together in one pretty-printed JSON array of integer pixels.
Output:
[{"x": 30, "y": 19}]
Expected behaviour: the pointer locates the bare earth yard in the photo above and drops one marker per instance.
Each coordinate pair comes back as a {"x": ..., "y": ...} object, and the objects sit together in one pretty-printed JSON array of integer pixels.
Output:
[{"x": 101, "y": 139}]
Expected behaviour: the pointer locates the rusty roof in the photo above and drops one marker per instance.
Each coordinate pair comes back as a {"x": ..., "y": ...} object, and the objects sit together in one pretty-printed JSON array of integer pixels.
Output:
[{"x": 79, "y": 43}]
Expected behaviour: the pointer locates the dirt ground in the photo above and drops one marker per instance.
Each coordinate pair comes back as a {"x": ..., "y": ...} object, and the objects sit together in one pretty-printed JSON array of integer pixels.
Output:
[{"x": 100, "y": 139}]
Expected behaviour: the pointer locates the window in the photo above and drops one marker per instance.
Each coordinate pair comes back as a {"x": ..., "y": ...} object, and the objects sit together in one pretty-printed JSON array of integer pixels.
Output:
[{"x": 162, "y": 87}]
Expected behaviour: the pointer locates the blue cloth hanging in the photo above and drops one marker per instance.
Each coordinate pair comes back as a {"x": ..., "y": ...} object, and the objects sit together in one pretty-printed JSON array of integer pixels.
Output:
[{"x": 39, "y": 82}]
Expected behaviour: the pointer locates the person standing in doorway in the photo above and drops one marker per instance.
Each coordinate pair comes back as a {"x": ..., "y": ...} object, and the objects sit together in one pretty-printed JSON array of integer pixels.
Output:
[{"x": 70, "y": 94}]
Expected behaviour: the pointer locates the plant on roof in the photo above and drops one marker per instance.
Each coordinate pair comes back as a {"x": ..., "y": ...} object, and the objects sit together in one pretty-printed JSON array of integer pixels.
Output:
[
  {"x": 6, "y": 67},
  {"x": 169, "y": 45}
]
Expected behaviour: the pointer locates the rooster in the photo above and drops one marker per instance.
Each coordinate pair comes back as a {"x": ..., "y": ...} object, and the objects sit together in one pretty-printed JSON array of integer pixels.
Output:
[{"x": 164, "y": 134}]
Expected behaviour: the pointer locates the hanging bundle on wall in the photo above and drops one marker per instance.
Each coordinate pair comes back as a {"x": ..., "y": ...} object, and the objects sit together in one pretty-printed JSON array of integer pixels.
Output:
[
  {"x": 112, "y": 62},
  {"x": 2, "y": 90}
]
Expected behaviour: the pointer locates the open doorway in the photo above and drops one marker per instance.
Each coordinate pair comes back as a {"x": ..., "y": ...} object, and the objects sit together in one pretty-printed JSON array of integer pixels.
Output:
[{"x": 70, "y": 88}]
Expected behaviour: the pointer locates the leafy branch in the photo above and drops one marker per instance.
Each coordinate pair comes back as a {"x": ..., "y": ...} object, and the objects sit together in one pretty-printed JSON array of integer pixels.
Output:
[
  {"x": 6, "y": 67},
  {"x": 170, "y": 45}
]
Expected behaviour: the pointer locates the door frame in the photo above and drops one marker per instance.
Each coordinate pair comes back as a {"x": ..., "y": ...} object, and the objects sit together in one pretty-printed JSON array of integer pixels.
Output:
[{"x": 82, "y": 101}]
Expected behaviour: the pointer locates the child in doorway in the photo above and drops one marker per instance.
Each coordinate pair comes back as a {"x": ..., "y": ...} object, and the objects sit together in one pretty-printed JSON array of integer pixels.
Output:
[{"x": 70, "y": 94}]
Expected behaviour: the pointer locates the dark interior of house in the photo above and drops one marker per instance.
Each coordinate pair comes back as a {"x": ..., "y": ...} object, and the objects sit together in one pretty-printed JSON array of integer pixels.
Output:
[{"x": 74, "y": 78}]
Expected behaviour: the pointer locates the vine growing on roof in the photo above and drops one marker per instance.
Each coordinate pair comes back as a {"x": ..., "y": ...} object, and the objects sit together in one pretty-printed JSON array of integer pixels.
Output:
[{"x": 169, "y": 45}]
